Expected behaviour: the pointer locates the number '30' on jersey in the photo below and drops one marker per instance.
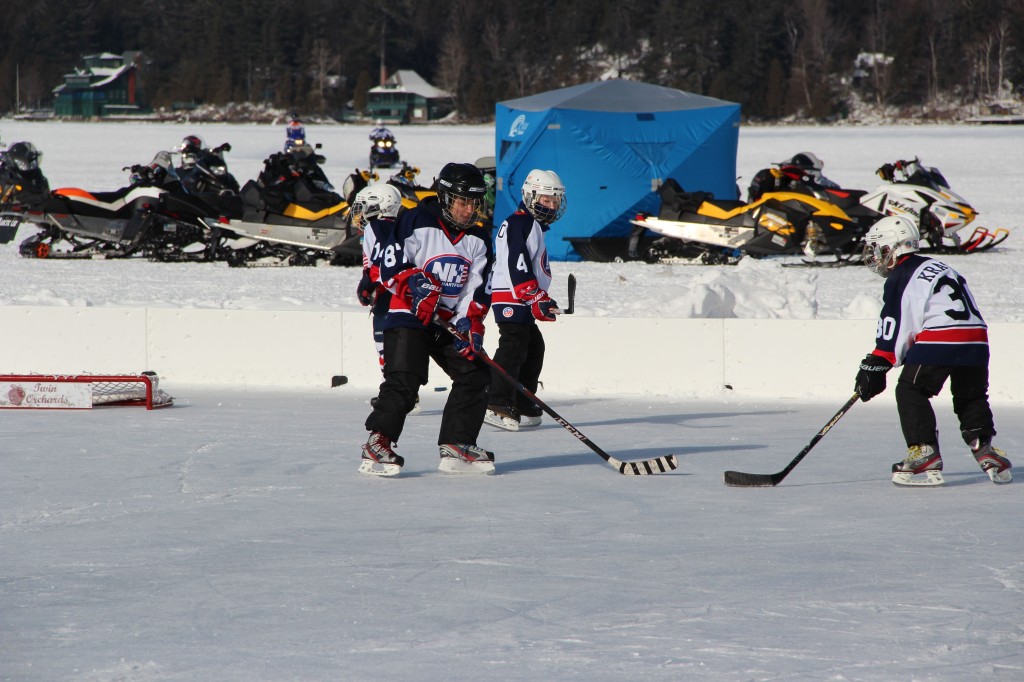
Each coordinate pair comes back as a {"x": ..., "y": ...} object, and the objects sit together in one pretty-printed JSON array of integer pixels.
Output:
[{"x": 929, "y": 317}]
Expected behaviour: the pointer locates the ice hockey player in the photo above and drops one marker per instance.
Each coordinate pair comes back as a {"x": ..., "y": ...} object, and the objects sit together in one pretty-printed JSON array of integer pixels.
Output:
[
  {"x": 519, "y": 299},
  {"x": 436, "y": 264},
  {"x": 374, "y": 211},
  {"x": 929, "y": 324}
]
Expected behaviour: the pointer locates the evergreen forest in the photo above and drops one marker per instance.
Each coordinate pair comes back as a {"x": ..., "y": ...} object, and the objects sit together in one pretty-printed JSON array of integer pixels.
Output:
[{"x": 807, "y": 59}]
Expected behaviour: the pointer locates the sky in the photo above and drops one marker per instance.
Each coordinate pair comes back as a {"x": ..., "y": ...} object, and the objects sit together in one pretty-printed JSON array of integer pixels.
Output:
[{"x": 230, "y": 537}]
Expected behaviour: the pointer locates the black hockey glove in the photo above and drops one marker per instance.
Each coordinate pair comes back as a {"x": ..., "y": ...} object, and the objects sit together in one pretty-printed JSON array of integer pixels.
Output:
[
  {"x": 871, "y": 377},
  {"x": 366, "y": 289}
]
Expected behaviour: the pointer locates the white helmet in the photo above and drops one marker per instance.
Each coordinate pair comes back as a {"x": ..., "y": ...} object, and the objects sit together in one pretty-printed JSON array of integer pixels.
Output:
[
  {"x": 372, "y": 201},
  {"x": 540, "y": 183},
  {"x": 889, "y": 239}
]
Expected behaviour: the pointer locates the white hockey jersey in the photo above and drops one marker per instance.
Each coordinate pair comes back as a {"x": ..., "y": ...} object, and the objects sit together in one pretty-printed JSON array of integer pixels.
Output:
[
  {"x": 929, "y": 317},
  {"x": 459, "y": 260},
  {"x": 520, "y": 259}
]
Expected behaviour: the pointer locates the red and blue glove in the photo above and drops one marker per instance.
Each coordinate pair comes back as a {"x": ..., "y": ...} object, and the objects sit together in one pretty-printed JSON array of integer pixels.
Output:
[
  {"x": 421, "y": 290},
  {"x": 541, "y": 305},
  {"x": 470, "y": 340}
]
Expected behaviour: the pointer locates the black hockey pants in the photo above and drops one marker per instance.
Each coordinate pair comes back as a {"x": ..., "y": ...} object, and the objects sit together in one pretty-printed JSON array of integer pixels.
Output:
[
  {"x": 918, "y": 384},
  {"x": 521, "y": 354},
  {"x": 407, "y": 355}
]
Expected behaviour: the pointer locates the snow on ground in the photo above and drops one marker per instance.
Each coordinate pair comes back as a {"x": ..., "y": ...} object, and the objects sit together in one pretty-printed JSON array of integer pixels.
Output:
[
  {"x": 982, "y": 163},
  {"x": 230, "y": 537}
]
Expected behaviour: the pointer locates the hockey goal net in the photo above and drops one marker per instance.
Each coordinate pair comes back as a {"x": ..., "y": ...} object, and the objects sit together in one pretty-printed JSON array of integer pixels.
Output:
[{"x": 103, "y": 389}]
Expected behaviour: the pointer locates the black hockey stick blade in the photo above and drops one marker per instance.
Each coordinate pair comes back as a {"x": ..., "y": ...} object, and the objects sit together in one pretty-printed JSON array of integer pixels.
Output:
[
  {"x": 741, "y": 480},
  {"x": 338, "y": 380},
  {"x": 658, "y": 465},
  {"x": 572, "y": 296}
]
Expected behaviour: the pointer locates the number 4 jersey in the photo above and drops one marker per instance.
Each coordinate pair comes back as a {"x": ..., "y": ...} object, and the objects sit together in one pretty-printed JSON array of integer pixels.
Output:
[{"x": 929, "y": 317}]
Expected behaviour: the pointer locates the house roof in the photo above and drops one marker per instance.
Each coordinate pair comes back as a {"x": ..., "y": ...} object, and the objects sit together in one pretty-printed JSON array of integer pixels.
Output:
[
  {"x": 412, "y": 82},
  {"x": 98, "y": 76},
  {"x": 615, "y": 95},
  {"x": 109, "y": 75}
]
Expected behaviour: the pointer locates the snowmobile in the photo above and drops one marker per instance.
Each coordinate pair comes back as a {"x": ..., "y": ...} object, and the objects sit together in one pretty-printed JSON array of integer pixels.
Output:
[
  {"x": 923, "y": 193},
  {"x": 290, "y": 215},
  {"x": 405, "y": 180},
  {"x": 801, "y": 172},
  {"x": 696, "y": 226},
  {"x": 205, "y": 170},
  {"x": 384, "y": 153},
  {"x": 151, "y": 217},
  {"x": 22, "y": 186}
]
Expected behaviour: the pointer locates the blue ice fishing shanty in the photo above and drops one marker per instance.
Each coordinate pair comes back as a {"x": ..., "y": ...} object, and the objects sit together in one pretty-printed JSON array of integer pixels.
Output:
[{"x": 613, "y": 143}]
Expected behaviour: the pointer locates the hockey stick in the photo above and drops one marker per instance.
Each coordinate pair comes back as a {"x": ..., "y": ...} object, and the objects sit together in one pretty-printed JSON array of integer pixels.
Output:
[
  {"x": 740, "y": 479},
  {"x": 572, "y": 296},
  {"x": 658, "y": 465}
]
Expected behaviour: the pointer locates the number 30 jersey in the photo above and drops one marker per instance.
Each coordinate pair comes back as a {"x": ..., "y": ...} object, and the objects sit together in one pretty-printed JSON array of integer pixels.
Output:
[{"x": 929, "y": 317}]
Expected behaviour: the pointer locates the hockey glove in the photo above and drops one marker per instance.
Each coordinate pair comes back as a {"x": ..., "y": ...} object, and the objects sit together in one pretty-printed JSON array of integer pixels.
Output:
[
  {"x": 871, "y": 377},
  {"x": 366, "y": 289},
  {"x": 470, "y": 339},
  {"x": 540, "y": 304},
  {"x": 543, "y": 307},
  {"x": 422, "y": 292}
]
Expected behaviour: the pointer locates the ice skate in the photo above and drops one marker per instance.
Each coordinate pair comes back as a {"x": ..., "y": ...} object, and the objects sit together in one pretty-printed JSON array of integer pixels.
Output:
[
  {"x": 530, "y": 418},
  {"x": 503, "y": 417},
  {"x": 463, "y": 458},
  {"x": 378, "y": 457},
  {"x": 992, "y": 461},
  {"x": 921, "y": 459}
]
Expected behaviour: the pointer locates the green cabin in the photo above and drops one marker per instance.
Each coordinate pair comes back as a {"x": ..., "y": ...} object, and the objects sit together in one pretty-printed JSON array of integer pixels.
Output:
[
  {"x": 406, "y": 98},
  {"x": 104, "y": 85}
]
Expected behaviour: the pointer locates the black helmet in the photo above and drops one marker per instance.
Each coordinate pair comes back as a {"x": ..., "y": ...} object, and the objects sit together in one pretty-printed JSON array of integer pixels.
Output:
[
  {"x": 25, "y": 155},
  {"x": 806, "y": 161},
  {"x": 192, "y": 143},
  {"x": 465, "y": 181}
]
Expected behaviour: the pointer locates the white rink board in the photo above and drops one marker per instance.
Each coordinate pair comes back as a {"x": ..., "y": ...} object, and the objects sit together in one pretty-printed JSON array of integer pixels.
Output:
[
  {"x": 292, "y": 348},
  {"x": 686, "y": 358},
  {"x": 53, "y": 340}
]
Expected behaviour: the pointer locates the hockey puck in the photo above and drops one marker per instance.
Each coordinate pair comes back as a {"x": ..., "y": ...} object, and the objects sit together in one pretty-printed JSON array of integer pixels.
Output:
[
  {"x": 338, "y": 380},
  {"x": 439, "y": 389}
]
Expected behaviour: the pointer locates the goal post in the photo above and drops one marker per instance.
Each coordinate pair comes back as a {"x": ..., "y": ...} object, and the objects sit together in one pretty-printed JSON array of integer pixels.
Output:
[{"x": 81, "y": 391}]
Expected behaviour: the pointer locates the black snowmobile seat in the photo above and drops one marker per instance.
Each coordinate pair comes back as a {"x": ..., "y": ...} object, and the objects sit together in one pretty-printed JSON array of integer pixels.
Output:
[{"x": 675, "y": 201}]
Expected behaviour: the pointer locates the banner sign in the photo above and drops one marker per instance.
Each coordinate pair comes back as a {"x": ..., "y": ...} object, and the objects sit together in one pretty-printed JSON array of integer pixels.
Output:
[{"x": 45, "y": 394}]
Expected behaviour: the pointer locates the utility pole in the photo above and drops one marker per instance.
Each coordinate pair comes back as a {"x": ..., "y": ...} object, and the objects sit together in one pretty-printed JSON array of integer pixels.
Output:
[{"x": 383, "y": 48}]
